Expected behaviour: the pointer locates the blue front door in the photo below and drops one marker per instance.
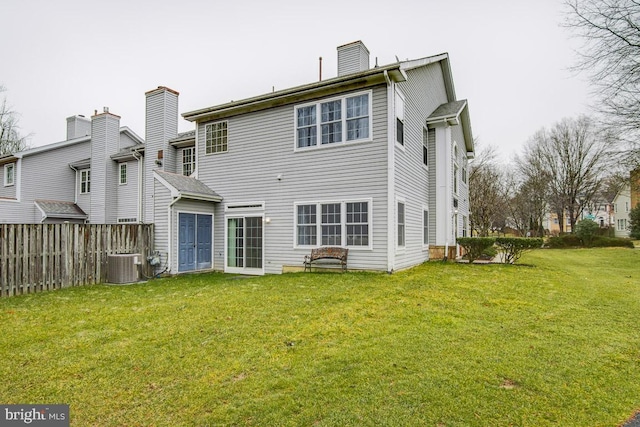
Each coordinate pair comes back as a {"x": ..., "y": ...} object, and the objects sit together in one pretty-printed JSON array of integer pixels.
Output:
[{"x": 194, "y": 241}]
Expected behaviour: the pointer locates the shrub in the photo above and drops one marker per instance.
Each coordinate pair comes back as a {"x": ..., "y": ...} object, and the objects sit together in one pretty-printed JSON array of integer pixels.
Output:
[
  {"x": 475, "y": 246},
  {"x": 587, "y": 230},
  {"x": 564, "y": 241},
  {"x": 607, "y": 242},
  {"x": 514, "y": 247}
]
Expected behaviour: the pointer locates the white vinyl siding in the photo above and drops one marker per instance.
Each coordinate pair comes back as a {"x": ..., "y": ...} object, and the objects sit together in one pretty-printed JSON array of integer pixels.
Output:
[{"x": 334, "y": 121}]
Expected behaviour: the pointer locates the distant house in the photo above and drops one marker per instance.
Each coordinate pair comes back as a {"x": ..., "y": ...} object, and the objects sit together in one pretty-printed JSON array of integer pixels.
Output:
[
  {"x": 622, "y": 206},
  {"x": 80, "y": 179},
  {"x": 374, "y": 160}
]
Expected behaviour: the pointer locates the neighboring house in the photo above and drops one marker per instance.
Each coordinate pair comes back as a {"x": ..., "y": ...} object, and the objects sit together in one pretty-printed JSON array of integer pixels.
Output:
[
  {"x": 374, "y": 160},
  {"x": 75, "y": 180},
  {"x": 622, "y": 206}
]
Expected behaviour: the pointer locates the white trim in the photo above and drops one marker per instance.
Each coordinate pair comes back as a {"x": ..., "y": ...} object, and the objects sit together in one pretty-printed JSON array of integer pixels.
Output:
[
  {"x": 88, "y": 181},
  {"x": 425, "y": 208},
  {"x": 401, "y": 248},
  {"x": 244, "y": 210},
  {"x": 391, "y": 191},
  {"x": 8, "y": 166},
  {"x": 343, "y": 222},
  {"x": 343, "y": 142},
  {"x": 205, "y": 137},
  {"x": 126, "y": 173}
]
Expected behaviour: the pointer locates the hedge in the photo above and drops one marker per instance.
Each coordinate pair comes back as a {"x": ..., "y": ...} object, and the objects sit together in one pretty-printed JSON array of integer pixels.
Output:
[
  {"x": 475, "y": 246},
  {"x": 514, "y": 247}
]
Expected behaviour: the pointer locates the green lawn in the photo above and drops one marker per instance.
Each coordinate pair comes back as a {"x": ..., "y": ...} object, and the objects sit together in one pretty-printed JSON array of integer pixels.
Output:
[{"x": 552, "y": 342}]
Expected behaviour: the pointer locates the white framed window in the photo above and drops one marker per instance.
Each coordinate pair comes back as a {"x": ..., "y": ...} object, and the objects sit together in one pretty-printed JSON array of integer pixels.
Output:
[
  {"x": 465, "y": 226},
  {"x": 85, "y": 181},
  {"x": 334, "y": 121},
  {"x": 188, "y": 161},
  {"x": 216, "y": 136},
  {"x": 400, "y": 215},
  {"x": 123, "y": 173},
  {"x": 399, "y": 118},
  {"x": 9, "y": 174},
  {"x": 455, "y": 179},
  {"x": 333, "y": 223},
  {"x": 425, "y": 227}
]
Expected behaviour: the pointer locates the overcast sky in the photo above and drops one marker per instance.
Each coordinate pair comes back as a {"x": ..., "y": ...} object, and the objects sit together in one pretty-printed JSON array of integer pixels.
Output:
[{"x": 509, "y": 58}]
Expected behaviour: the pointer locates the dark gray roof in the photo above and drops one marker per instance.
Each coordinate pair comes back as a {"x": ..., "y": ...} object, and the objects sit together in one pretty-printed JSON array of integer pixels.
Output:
[
  {"x": 60, "y": 209},
  {"x": 448, "y": 110},
  {"x": 184, "y": 135},
  {"x": 189, "y": 187}
]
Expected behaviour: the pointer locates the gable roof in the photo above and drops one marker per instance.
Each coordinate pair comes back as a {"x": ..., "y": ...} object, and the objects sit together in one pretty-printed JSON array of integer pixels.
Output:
[
  {"x": 186, "y": 187},
  {"x": 454, "y": 113},
  {"x": 60, "y": 209}
]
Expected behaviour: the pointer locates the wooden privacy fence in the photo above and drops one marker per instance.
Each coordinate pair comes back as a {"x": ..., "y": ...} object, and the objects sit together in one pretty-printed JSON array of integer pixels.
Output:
[{"x": 39, "y": 257}]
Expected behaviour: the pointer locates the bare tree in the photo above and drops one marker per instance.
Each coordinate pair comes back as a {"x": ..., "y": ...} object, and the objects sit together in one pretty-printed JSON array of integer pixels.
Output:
[
  {"x": 486, "y": 196},
  {"x": 610, "y": 30},
  {"x": 572, "y": 159},
  {"x": 10, "y": 139},
  {"x": 528, "y": 201}
]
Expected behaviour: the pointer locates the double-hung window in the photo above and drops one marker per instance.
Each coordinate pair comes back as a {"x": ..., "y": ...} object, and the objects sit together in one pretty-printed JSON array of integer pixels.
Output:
[
  {"x": 333, "y": 224},
  {"x": 216, "y": 137},
  {"x": 399, "y": 118},
  {"x": 425, "y": 145},
  {"x": 188, "y": 161},
  {"x": 425, "y": 227},
  {"x": 85, "y": 181},
  {"x": 334, "y": 121},
  {"x": 401, "y": 225},
  {"x": 123, "y": 173},
  {"x": 9, "y": 174}
]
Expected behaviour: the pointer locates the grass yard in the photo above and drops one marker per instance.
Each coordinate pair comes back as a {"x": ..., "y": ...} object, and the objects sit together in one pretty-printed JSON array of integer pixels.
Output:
[{"x": 555, "y": 342}]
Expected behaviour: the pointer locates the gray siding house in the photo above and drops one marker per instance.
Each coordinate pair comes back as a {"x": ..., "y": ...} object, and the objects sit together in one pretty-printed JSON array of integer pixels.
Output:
[
  {"x": 80, "y": 179},
  {"x": 374, "y": 160}
]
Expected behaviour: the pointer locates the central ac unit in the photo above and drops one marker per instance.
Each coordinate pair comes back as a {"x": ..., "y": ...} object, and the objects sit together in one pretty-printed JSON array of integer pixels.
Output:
[{"x": 123, "y": 268}]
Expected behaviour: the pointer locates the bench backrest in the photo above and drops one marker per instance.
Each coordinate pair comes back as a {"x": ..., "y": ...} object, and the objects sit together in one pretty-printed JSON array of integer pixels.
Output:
[{"x": 329, "y": 252}]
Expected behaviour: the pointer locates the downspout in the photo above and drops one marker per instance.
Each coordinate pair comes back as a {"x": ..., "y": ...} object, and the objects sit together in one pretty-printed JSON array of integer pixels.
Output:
[
  {"x": 136, "y": 155},
  {"x": 169, "y": 235},
  {"x": 391, "y": 244},
  {"x": 75, "y": 192}
]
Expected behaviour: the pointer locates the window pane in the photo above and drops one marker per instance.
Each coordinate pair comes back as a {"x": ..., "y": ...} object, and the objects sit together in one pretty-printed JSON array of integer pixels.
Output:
[
  {"x": 357, "y": 224},
  {"x": 331, "y": 132},
  {"x": 307, "y": 225},
  {"x": 331, "y": 225},
  {"x": 306, "y": 126},
  {"x": 425, "y": 227},
  {"x": 357, "y": 129},
  {"x": 331, "y": 111},
  {"x": 400, "y": 224},
  {"x": 216, "y": 137},
  {"x": 358, "y": 106}
]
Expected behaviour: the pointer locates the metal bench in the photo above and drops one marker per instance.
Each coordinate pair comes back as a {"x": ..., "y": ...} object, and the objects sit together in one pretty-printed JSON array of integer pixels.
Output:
[{"x": 325, "y": 256}]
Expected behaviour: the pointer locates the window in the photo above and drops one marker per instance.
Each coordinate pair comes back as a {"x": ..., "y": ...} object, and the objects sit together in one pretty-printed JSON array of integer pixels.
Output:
[
  {"x": 85, "y": 181},
  {"x": 331, "y": 225},
  {"x": 9, "y": 174},
  {"x": 216, "y": 137},
  {"x": 336, "y": 121},
  {"x": 465, "y": 226},
  {"x": 399, "y": 118},
  {"x": 188, "y": 161},
  {"x": 455, "y": 179},
  {"x": 425, "y": 227},
  {"x": 123, "y": 173},
  {"x": 401, "y": 225},
  {"x": 425, "y": 144},
  {"x": 358, "y": 224},
  {"x": 307, "y": 230},
  {"x": 340, "y": 224},
  {"x": 464, "y": 174},
  {"x": 626, "y": 206}
]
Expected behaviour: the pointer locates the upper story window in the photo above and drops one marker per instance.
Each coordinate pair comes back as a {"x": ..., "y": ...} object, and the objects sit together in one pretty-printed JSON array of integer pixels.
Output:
[
  {"x": 216, "y": 137},
  {"x": 9, "y": 174},
  {"x": 399, "y": 118},
  {"x": 123, "y": 173},
  {"x": 188, "y": 161},
  {"x": 334, "y": 121},
  {"x": 85, "y": 181}
]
